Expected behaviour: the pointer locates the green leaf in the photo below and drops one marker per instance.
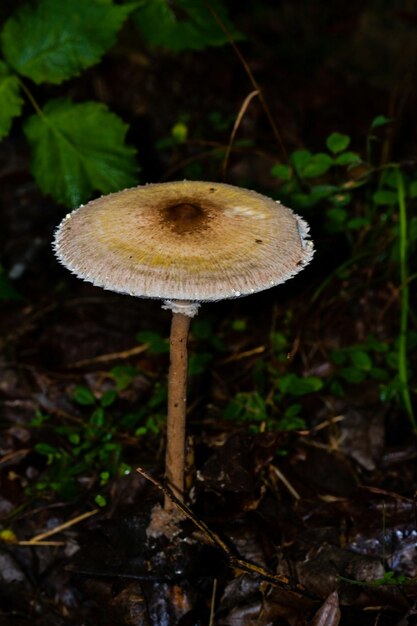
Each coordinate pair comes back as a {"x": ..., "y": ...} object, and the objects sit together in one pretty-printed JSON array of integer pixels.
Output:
[
  {"x": 179, "y": 132},
  {"x": 378, "y": 346},
  {"x": 247, "y": 406},
  {"x": 73, "y": 156},
  {"x": 97, "y": 420},
  {"x": 100, "y": 500},
  {"x": 347, "y": 158},
  {"x": 338, "y": 357},
  {"x": 297, "y": 386},
  {"x": 83, "y": 396},
  {"x": 300, "y": 158},
  {"x": 336, "y": 142},
  {"x": 302, "y": 200},
  {"x": 336, "y": 214},
  {"x": 318, "y": 164},
  {"x": 279, "y": 342},
  {"x": 320, "y": 192},
  {"x": 238, "y": 325},
  {"x": 360, "y": 359},
  {"x": 281, "y": 171},
  {"x": 379, "y": 374},
  {"x": 292, "y": 423},
  {"x": 11, "y": 102},
  {"x": 123, "y": 375},
  {"x": 353, "y": 375},
  {"x": 74, "y": 438},
  {"x": 384, "y": 196},
  {"x": 381, "y": 120},
  {"x": 183, "y": 24},
  {"x": 108, "y": 397},
  {"x": 52, "y": 41},
  {"x": 157, "y": 343},
  {"x": 356, "y": 223}
]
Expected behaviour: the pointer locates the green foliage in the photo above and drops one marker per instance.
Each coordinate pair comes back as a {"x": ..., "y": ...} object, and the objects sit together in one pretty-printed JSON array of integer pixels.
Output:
[
  {"x": 84, "y": 396},
  {"x": 336, "y": 142},
  {"x": 299, "y": 386},
  {"x": 92, "y": 446},
  {"x": 51, "y": 41},
  {"x": 252, "y": 410},
  {"x": 123, "y": 376},
  {"x": 72, "y": 136},
  {"x": 380, "y": 120},
  {"x": 10, "y": 99},
  {"x": 183, "y": 24},
  {"x": 302, "y": 182},
  {"x": 156, "y": 343}
]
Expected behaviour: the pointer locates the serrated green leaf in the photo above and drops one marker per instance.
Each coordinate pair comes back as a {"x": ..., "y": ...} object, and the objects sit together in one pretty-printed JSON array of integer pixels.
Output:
[
  {"x": 78, "y": 149},
  {"x": 384, "y": 196},
  {"x": 318, "y": 164},
  {"x": 347, "y": 158},
  {"x": 183, "y": 24},
  {"x": 52, "y": 41},
  {"x": 336, "y": 142},
  {"x": 11, "y": 102}
]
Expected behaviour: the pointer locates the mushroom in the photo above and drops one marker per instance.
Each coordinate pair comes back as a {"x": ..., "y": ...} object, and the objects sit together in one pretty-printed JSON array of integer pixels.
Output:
[{"x": 185, "y": 243}]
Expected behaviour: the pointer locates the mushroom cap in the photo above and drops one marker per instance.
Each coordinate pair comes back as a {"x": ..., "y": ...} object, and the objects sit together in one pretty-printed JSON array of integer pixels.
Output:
[{"x": 186, "y": 240}]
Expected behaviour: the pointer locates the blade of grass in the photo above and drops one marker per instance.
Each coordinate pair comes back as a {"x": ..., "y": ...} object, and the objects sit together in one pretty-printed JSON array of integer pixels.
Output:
[{"x": 404, "y": 301}]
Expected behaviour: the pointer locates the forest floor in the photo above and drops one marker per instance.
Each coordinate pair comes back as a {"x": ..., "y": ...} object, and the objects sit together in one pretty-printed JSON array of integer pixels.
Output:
[{"x": 301, "y": 475}]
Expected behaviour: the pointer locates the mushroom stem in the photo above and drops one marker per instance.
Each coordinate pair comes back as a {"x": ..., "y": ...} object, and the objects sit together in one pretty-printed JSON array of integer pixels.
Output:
[{"x": 177, "y": 403}]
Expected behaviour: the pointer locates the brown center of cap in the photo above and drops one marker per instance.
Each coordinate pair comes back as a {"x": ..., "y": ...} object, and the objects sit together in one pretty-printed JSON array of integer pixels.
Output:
[{"x": 185, "y": 217}]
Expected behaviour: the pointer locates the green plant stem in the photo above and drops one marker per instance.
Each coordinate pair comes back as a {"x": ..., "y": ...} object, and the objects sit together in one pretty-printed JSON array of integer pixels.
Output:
[
  {"x": 404, "y": 302},
  {"x": 30, "y": 97}
]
